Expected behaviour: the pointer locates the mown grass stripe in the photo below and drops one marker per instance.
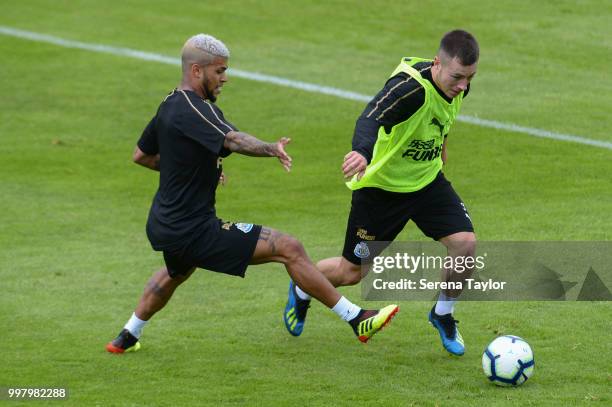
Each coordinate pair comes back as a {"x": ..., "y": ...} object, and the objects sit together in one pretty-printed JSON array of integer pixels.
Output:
[{"x": 276, "y": 80}]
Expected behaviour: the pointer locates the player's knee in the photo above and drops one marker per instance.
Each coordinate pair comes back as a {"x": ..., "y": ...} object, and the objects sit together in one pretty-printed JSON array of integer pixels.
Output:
[
  {"x": 351, "y": 277},
  {"x": 291, "y": 249},
  {"x": 350, "y": 273},
  {"x": 465, "y": 248},
  {"x": 468, "y": 246},
  {"x": 179, "y": 278},
  {"x": 462, "y": 244}
]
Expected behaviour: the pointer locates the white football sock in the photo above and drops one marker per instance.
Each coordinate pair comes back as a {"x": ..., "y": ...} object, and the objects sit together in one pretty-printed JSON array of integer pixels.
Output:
[
  {"x": 135, "y": 325},
  {"x": 445, "y": 305},
  {"x": 346, "y": 309},
  {"x": 301, "y": 293}
]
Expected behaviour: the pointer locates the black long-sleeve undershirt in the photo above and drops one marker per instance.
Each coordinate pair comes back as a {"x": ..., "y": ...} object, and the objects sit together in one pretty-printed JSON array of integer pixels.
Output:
[{"x": 399, "y": 99}]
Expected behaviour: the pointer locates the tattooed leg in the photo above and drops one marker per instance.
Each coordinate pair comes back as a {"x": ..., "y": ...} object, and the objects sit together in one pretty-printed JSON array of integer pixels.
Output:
[
  {"x": 157, "y": 292},
  {"x": 274, "y": 246},
  {"x": 267, "y": 242}
]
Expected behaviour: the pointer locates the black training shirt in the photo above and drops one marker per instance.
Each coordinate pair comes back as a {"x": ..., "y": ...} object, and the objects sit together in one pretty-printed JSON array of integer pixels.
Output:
[
  {"x": 400, "y": 98},
  {"x": 188, "y": 133}
]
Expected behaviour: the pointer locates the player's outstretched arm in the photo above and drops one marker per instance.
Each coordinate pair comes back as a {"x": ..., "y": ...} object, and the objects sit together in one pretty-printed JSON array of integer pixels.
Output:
[
  {"x": 146, "y": 160},
  {"x": 243, "y": 143}
]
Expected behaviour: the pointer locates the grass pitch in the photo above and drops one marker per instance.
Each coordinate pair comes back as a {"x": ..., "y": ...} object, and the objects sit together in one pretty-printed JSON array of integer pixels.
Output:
[{"x": 75, "y": 257}]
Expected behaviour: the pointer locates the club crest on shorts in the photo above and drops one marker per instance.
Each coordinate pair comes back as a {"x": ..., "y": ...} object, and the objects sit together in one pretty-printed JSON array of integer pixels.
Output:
[
  {"x": 244, "y": 227},
  {"x": 362, "y": 250}
]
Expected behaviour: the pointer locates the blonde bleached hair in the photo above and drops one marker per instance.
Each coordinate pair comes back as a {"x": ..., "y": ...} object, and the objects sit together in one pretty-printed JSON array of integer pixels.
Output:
[{"x": 202, "y": 49}]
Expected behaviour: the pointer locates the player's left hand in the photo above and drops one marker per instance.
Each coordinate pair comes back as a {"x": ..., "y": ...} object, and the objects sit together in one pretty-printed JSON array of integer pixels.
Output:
[
  {"x": 354, "y": 163},
  {"x": 283, "y": 157}
]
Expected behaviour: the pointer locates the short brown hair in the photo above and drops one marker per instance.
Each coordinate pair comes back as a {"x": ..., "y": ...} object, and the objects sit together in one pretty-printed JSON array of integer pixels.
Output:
[{"x": 462, "y": 45}]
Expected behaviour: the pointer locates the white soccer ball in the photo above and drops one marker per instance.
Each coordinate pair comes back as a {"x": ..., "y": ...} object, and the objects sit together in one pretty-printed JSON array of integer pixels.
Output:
[{"x": 508, "y": 361}]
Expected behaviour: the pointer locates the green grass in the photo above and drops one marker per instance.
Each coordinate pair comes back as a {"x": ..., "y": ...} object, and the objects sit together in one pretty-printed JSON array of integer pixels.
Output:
[{"x": 75, "y": 257}]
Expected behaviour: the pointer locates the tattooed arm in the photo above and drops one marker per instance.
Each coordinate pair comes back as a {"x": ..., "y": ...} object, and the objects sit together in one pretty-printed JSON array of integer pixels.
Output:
[{"x": 243, "y": 143}]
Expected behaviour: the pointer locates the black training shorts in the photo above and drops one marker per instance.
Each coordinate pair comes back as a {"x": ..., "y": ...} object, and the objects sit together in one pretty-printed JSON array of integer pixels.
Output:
[
  {"x": 381, "y": 215},
  {"x": 224, "y": 247}
]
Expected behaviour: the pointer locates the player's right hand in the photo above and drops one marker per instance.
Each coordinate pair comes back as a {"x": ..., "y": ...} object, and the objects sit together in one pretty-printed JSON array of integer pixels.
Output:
[
  {"x": 354, "y": 163},
  {"x": 283, "y": 157}
]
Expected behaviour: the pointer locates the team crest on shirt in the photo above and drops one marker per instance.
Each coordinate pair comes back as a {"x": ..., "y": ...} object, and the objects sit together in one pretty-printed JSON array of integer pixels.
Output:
[
  {"x": 362, "y": 250},
  {"x": 244, "y": 227}
]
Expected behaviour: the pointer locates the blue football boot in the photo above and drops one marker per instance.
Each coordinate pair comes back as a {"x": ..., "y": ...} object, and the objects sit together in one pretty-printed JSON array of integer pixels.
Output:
[
  {"x": 295, "y": 311},
  {"x": 447, "y": 328}
]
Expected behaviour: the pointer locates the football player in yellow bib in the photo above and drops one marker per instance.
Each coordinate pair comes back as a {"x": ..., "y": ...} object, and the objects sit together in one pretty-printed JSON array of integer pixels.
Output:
[{"x": 395, "y": 172}]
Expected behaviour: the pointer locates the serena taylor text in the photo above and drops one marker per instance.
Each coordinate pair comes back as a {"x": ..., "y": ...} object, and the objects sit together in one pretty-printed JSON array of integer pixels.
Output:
[{"x": 424, "y": 284}]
